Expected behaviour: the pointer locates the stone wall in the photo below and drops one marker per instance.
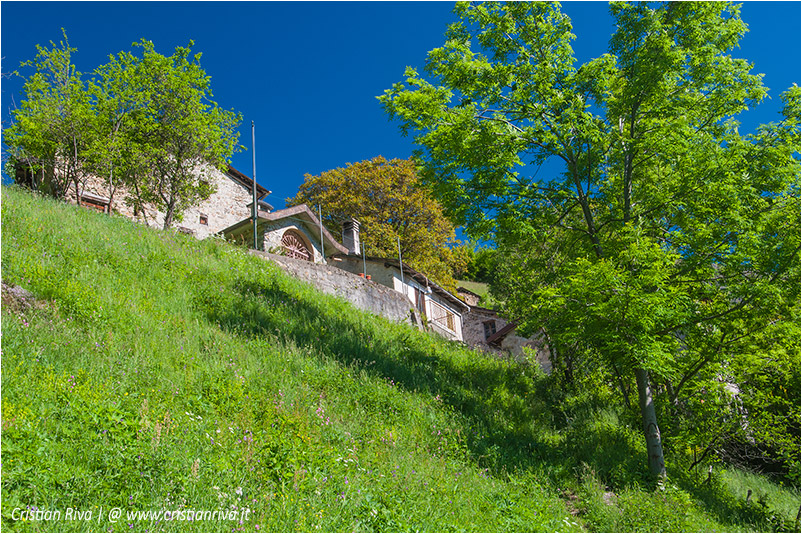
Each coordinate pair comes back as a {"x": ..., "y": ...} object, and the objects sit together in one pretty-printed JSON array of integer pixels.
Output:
[
  {"x": 378, "y": 273},
  {"x": 228, "y": 206},
  {"x": 473, "y": 332},
  {"x": 514, "y": 345},
  {"x": 364, "y": 294},
  {"x": 470, "y": 298}
]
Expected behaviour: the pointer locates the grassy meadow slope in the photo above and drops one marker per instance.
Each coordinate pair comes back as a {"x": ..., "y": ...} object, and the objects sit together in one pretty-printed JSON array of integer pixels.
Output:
[{"x": 156, "y": 372}]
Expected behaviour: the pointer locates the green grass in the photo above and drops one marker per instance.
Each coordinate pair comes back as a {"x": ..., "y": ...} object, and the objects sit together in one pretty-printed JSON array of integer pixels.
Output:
[
  {"x": 162, "y": 373},
  {"x": 778, "y": 498}
]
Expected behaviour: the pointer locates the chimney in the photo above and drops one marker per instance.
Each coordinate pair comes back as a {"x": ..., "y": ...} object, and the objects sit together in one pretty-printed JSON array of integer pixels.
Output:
[{"x": 351, "y": 236}]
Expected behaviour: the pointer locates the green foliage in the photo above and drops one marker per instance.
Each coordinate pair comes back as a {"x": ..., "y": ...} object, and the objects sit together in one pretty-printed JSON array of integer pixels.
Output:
[
  {"x": 390, "y": 204},
  {"x": 769, "y": 382},
  {"x": 481, "y": 266},
  {"x": 669, "y": 245},
  {"x": 52, "y": 131},
  {"x": 177, "y": 129}
]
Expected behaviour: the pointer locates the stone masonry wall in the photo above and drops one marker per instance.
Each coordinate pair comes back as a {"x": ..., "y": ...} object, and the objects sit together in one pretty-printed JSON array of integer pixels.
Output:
[
  {"x": 473, "y": 331},
  {"x": 227, "y": 206},
  {"x": 365, "y": 295},
  {"x": 386, "y": 276}
]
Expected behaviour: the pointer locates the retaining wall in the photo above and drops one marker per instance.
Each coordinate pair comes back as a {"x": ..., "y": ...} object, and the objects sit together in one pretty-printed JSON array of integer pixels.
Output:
[{"x": 364, "y": 294}]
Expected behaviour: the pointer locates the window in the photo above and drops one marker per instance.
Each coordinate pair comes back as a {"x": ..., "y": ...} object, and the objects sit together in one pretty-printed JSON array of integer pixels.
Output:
[
  {"x": 295, "y": 245},
  {"x": 490, "y": 328},
  {"x": 204, "y": 219},
  {"x": 420, "y": 301},
  {"x": 95, "y": 204},
  {"x": 443, "y": 317}
]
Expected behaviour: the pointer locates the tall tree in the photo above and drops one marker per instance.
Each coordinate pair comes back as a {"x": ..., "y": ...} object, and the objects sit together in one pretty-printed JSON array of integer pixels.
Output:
[
  {"x": 390, "y": 204},
  {"x": 118, "y": 99},
  {"x": 53, "y": 128},
  {"x": 666, "y": 238},
  {"x": 177, "y": 130}
]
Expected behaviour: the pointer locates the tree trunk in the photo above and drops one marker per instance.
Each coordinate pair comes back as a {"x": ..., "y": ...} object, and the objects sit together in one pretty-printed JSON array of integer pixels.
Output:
[
  {"x": 111, "y": 188},
  {"x": 77, "y": 184},
  {"x": 654, "y": 447},
  {"x": 621, "y": 385},
  {"x": 168, "y": 217}
]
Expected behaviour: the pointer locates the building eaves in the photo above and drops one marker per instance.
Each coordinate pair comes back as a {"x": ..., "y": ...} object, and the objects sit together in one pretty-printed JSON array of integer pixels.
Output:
[
  {"x": 247, "y": 181},
  {"x": 487, "y": 311},
  {"x": 501, "y": 334}
]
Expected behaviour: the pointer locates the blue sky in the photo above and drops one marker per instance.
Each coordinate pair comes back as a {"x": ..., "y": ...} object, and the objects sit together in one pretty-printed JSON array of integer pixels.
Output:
[{"x": 308, "y": 73}]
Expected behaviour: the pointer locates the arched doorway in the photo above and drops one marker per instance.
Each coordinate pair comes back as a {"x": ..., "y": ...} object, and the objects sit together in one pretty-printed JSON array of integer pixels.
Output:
[{"x": 295, "y": 245}]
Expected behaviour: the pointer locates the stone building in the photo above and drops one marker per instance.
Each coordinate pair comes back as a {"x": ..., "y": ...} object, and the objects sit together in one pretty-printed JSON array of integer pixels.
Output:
[
  {"x": 470, "y": 298},
  {"x": 487, "y": 330},
  {"x": 293, "y": 232},
  {"x": 231, "y": 202}
]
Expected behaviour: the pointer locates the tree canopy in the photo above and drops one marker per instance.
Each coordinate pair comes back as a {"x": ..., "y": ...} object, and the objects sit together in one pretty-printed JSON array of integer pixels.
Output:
[
  {"x": 146, "y": 122},
  {"x": 53, "y": 127},
  {"x": 390, "y": 204},
  {"x": 664, "y": 245}
]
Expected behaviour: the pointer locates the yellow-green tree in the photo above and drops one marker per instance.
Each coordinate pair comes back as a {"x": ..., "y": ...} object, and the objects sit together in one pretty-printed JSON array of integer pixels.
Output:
[{"x": 388, "y": 201}]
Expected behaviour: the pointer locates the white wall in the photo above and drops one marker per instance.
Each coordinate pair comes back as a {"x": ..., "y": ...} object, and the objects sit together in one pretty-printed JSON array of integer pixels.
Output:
[{"x": 408, "y": 290}]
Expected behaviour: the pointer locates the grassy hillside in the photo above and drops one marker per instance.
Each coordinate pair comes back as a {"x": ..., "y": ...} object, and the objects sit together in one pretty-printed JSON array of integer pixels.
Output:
[{"x": 155, "y": 372}]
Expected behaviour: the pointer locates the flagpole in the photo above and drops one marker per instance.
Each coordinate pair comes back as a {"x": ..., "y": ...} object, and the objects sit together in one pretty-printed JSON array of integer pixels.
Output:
[{"x": 255, "y": 207}]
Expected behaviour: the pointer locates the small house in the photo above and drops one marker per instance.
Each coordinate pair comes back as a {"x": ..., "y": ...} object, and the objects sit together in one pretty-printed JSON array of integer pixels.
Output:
[
  {"x": 439, "y": 308},
  {"x": 295, "y": 232},
  {"x": 485, "y": 329}
]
